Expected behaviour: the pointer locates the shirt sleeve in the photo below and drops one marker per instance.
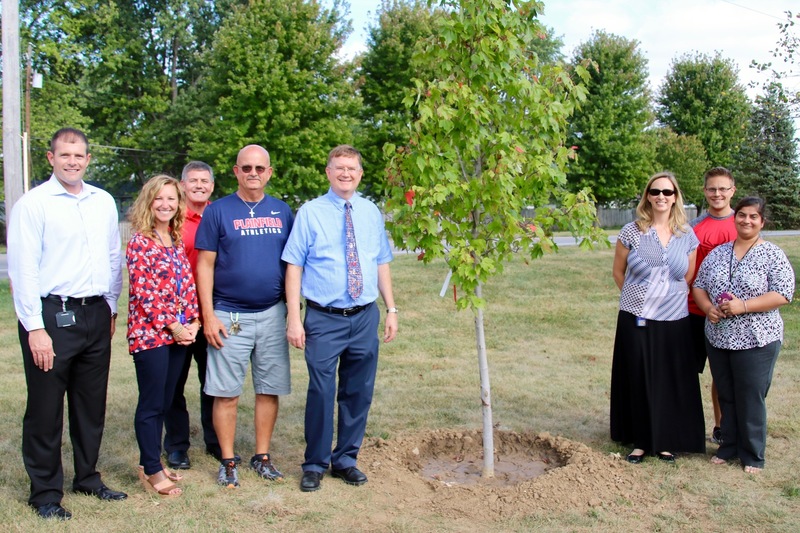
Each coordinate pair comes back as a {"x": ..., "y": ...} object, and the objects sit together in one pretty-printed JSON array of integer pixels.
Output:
[
  {"x": 296, "y": 250},
  {"x": 25, "y": 238},
  {"x": 115, "y": 260},
  {"x": 780, "y": 277}
]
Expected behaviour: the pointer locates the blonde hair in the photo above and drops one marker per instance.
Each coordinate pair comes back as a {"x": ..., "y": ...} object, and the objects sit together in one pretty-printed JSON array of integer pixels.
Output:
[
  {"x": 677, "y": 215},
  {"x": 141, "y": 213}
]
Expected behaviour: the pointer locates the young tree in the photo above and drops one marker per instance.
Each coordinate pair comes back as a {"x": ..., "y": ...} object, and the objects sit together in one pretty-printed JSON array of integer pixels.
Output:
[
  {"x": 488, "y": 142},
  {"x": 685, "y": 157},
  {"x": 702, "y": 96},
  {"x": 609, "y": 131},
  {"x": 386, "y": 77},
  {"x": 787, "y": 52},
  {"x": 273, "y": 78},
  {"x": 769, "y": 164}
]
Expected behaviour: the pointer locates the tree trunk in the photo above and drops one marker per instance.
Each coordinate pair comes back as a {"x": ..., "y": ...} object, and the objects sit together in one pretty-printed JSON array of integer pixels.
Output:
[{"x": 486, "y": 395}]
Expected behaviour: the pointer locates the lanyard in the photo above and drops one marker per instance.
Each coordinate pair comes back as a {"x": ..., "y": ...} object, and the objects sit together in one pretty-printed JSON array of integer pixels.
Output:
[{"x": 178, "y": 271}]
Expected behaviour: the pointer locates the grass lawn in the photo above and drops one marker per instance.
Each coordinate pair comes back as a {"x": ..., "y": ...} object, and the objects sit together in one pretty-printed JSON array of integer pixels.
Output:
[{"x": 549, "y": 332}]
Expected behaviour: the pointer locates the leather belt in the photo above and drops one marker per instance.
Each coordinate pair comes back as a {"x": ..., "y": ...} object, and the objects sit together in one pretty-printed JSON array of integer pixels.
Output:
[
  {"x": 346, "y": 311},
  {"x": 86, "y": 300}
]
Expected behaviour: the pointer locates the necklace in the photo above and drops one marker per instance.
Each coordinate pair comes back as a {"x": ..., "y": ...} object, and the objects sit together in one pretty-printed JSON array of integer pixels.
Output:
[
  {"x": 731, "y": 269},
  {"x": 251, "y": 207}
]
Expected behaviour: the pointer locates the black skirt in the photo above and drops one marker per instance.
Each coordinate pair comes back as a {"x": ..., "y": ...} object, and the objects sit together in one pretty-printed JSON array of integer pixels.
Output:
[{"x": 655, "y": 390}]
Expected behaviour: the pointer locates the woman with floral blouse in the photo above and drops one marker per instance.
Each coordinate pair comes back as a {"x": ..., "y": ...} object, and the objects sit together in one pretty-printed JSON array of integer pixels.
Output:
[
  {"x": 740, "y": 287},
  {"x": 162, "y": 319}
]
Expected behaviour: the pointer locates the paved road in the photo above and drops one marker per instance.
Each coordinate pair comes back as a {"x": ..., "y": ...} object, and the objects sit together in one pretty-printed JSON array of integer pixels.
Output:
[{"x": 561, "y": 241}]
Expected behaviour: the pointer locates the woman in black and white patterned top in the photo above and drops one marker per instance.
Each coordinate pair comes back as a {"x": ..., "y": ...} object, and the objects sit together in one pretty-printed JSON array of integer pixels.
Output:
[{"x": 740, "y": 287}]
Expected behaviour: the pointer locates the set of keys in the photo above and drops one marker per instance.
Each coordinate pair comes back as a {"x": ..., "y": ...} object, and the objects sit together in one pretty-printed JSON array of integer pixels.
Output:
[{"x": 235, "y": 327}]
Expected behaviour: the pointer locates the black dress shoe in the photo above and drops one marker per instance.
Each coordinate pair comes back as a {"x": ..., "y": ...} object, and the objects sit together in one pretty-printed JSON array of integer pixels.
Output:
[
  {"x": 635, "y": 459},
  {"x": 351, "y": 475},
  {"x": 103, "y": 493},
  {"x": 54, "y": 511},
  {"x": 179, "y": 460},
  {"x": 310, "y": 481}
]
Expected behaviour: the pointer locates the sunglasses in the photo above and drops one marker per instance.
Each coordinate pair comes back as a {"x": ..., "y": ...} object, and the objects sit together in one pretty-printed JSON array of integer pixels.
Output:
[
  {"x": 248, "y": 168},
  {"x": 665, "y": 192}
]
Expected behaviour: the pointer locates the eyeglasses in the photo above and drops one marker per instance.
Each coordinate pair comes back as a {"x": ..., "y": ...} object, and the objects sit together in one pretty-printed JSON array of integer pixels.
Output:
[
  {"x": 715, "y": 190},
  {"x": 342, "y": 170},
  {"x": 249, "y": 168},
  {"x": 665, "y": 192}
]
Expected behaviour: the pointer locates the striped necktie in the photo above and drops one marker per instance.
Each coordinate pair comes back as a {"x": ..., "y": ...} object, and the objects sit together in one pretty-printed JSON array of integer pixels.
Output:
[{"x": 355, "y": 283}]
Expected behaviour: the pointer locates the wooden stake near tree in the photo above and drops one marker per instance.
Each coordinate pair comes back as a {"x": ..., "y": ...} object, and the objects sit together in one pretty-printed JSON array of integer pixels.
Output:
[{"x": 489, "y": 142}]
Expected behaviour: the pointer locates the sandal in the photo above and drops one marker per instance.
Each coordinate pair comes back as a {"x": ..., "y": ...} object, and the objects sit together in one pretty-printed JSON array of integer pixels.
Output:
[
  {"x": 171, "y": 475},
  {"x": 752, "y": 469},
  {"x": 718, "y": 461},
  {"x": 160, "y": 484}
]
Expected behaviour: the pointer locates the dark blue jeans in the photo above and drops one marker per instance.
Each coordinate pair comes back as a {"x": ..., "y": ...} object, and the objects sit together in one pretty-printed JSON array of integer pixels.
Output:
[
  {"x": 157, "y": 373},
  {"x": 743, "y": 378}
]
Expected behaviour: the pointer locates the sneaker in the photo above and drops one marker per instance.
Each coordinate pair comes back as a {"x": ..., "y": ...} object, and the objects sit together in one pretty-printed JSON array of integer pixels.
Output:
[
  {"x": 262, "y": 464},
  {"x": 716, "y": 435},
  {"x": 228, "y": 475}
]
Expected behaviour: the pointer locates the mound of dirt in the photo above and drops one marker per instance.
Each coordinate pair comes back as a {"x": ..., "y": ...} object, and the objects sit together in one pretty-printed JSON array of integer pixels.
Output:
[{"x": 441, "y": 470}]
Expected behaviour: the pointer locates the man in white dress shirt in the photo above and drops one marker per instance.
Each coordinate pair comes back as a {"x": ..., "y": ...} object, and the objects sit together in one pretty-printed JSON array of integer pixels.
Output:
[{"x": 64, "y": 263}]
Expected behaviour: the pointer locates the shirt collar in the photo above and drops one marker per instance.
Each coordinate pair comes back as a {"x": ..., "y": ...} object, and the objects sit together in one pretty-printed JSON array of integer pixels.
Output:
[
  {"x": 55, "y": 188},
  {"x": 338, "y": 201}
]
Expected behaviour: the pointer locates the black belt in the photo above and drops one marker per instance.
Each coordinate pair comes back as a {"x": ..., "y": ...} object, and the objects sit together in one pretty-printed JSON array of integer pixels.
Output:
[
  {"x": 86, "y": 300},
  {"x": 348, "y": 311}
]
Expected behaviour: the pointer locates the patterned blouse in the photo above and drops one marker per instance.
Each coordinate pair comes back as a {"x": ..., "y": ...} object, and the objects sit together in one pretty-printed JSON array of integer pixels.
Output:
[
  {"x": 763, "y": 269},
  {"x": 155, "y": 273},
  {"x": 655, "y": 285}
]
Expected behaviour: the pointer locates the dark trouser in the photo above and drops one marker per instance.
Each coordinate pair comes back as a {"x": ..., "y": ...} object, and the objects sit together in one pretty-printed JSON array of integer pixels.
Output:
[
  {"x": 743, "y": 378},
  {"x": 80, "y": 369},
  {"x": 157, "y": 372},
  {"x": 352, "y": 343},
  {"x": 176, "y": 419}
]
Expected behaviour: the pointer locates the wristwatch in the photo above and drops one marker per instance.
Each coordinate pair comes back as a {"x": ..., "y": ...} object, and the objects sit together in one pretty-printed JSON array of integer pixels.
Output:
[{"x": 392, "y": 310}]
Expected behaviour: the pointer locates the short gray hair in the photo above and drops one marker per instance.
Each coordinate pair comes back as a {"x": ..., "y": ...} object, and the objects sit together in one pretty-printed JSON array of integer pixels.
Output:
[{"x": 196, "y": 165}]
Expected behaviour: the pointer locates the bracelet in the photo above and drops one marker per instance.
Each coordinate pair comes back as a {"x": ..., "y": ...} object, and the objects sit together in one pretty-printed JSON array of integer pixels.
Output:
[
  {"x": 177, "y": 331},
  {"x": 745, "y": 305}
]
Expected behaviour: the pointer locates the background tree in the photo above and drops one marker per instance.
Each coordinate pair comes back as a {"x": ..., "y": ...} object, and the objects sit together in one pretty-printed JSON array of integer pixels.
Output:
[
  {"x": 614, "y": 155},
  {"x": 385, "y": 80},
  {"x": 273, "y": 78},
  {"x": 685, "y": 157},
  {"x": 769, "y": 167},
  {"x": 702, "y": 96},
  {"x": 115, "y": 69},
  {"x": 489, "y": 141}
]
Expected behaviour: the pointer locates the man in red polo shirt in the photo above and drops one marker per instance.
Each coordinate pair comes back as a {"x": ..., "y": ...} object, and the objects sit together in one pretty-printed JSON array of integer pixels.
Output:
[
  {"x": 197, "y": 182},
  {"x": 712, "y": 228}
]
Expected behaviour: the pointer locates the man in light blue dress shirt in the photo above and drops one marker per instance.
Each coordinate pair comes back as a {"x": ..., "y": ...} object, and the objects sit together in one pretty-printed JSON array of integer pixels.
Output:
[
  {"x": 64, "y": 262},
  {"x": 340, "y": 328}
]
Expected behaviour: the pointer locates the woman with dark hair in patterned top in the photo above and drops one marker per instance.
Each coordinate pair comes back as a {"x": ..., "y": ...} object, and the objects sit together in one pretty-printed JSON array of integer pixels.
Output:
[
  {"x": 740, "y": 287},
  {"x": 655, "y": 390}
]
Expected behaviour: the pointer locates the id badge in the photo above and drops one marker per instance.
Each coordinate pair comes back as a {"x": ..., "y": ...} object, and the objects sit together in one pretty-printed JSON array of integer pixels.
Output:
[
  {"x": 65, "y": 319},
  {"x": 640, "y": 322},
  {"x": 182, "y": 318}
]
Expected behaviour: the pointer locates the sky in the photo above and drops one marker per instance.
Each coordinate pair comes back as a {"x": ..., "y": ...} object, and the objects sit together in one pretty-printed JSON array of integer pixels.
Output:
[{"x": 741, "y": 30}]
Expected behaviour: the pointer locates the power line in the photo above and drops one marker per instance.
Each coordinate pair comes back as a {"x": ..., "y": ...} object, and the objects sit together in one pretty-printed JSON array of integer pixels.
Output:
[{"x": 751, "y": 9}]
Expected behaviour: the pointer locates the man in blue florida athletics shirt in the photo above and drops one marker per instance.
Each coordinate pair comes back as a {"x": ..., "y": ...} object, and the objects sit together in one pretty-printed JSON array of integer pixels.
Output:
[{"x": 240, "y": 283}]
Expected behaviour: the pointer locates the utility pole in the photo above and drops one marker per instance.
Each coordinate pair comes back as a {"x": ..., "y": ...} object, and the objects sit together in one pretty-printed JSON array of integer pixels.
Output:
[{"x": 12, "y": 134}]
